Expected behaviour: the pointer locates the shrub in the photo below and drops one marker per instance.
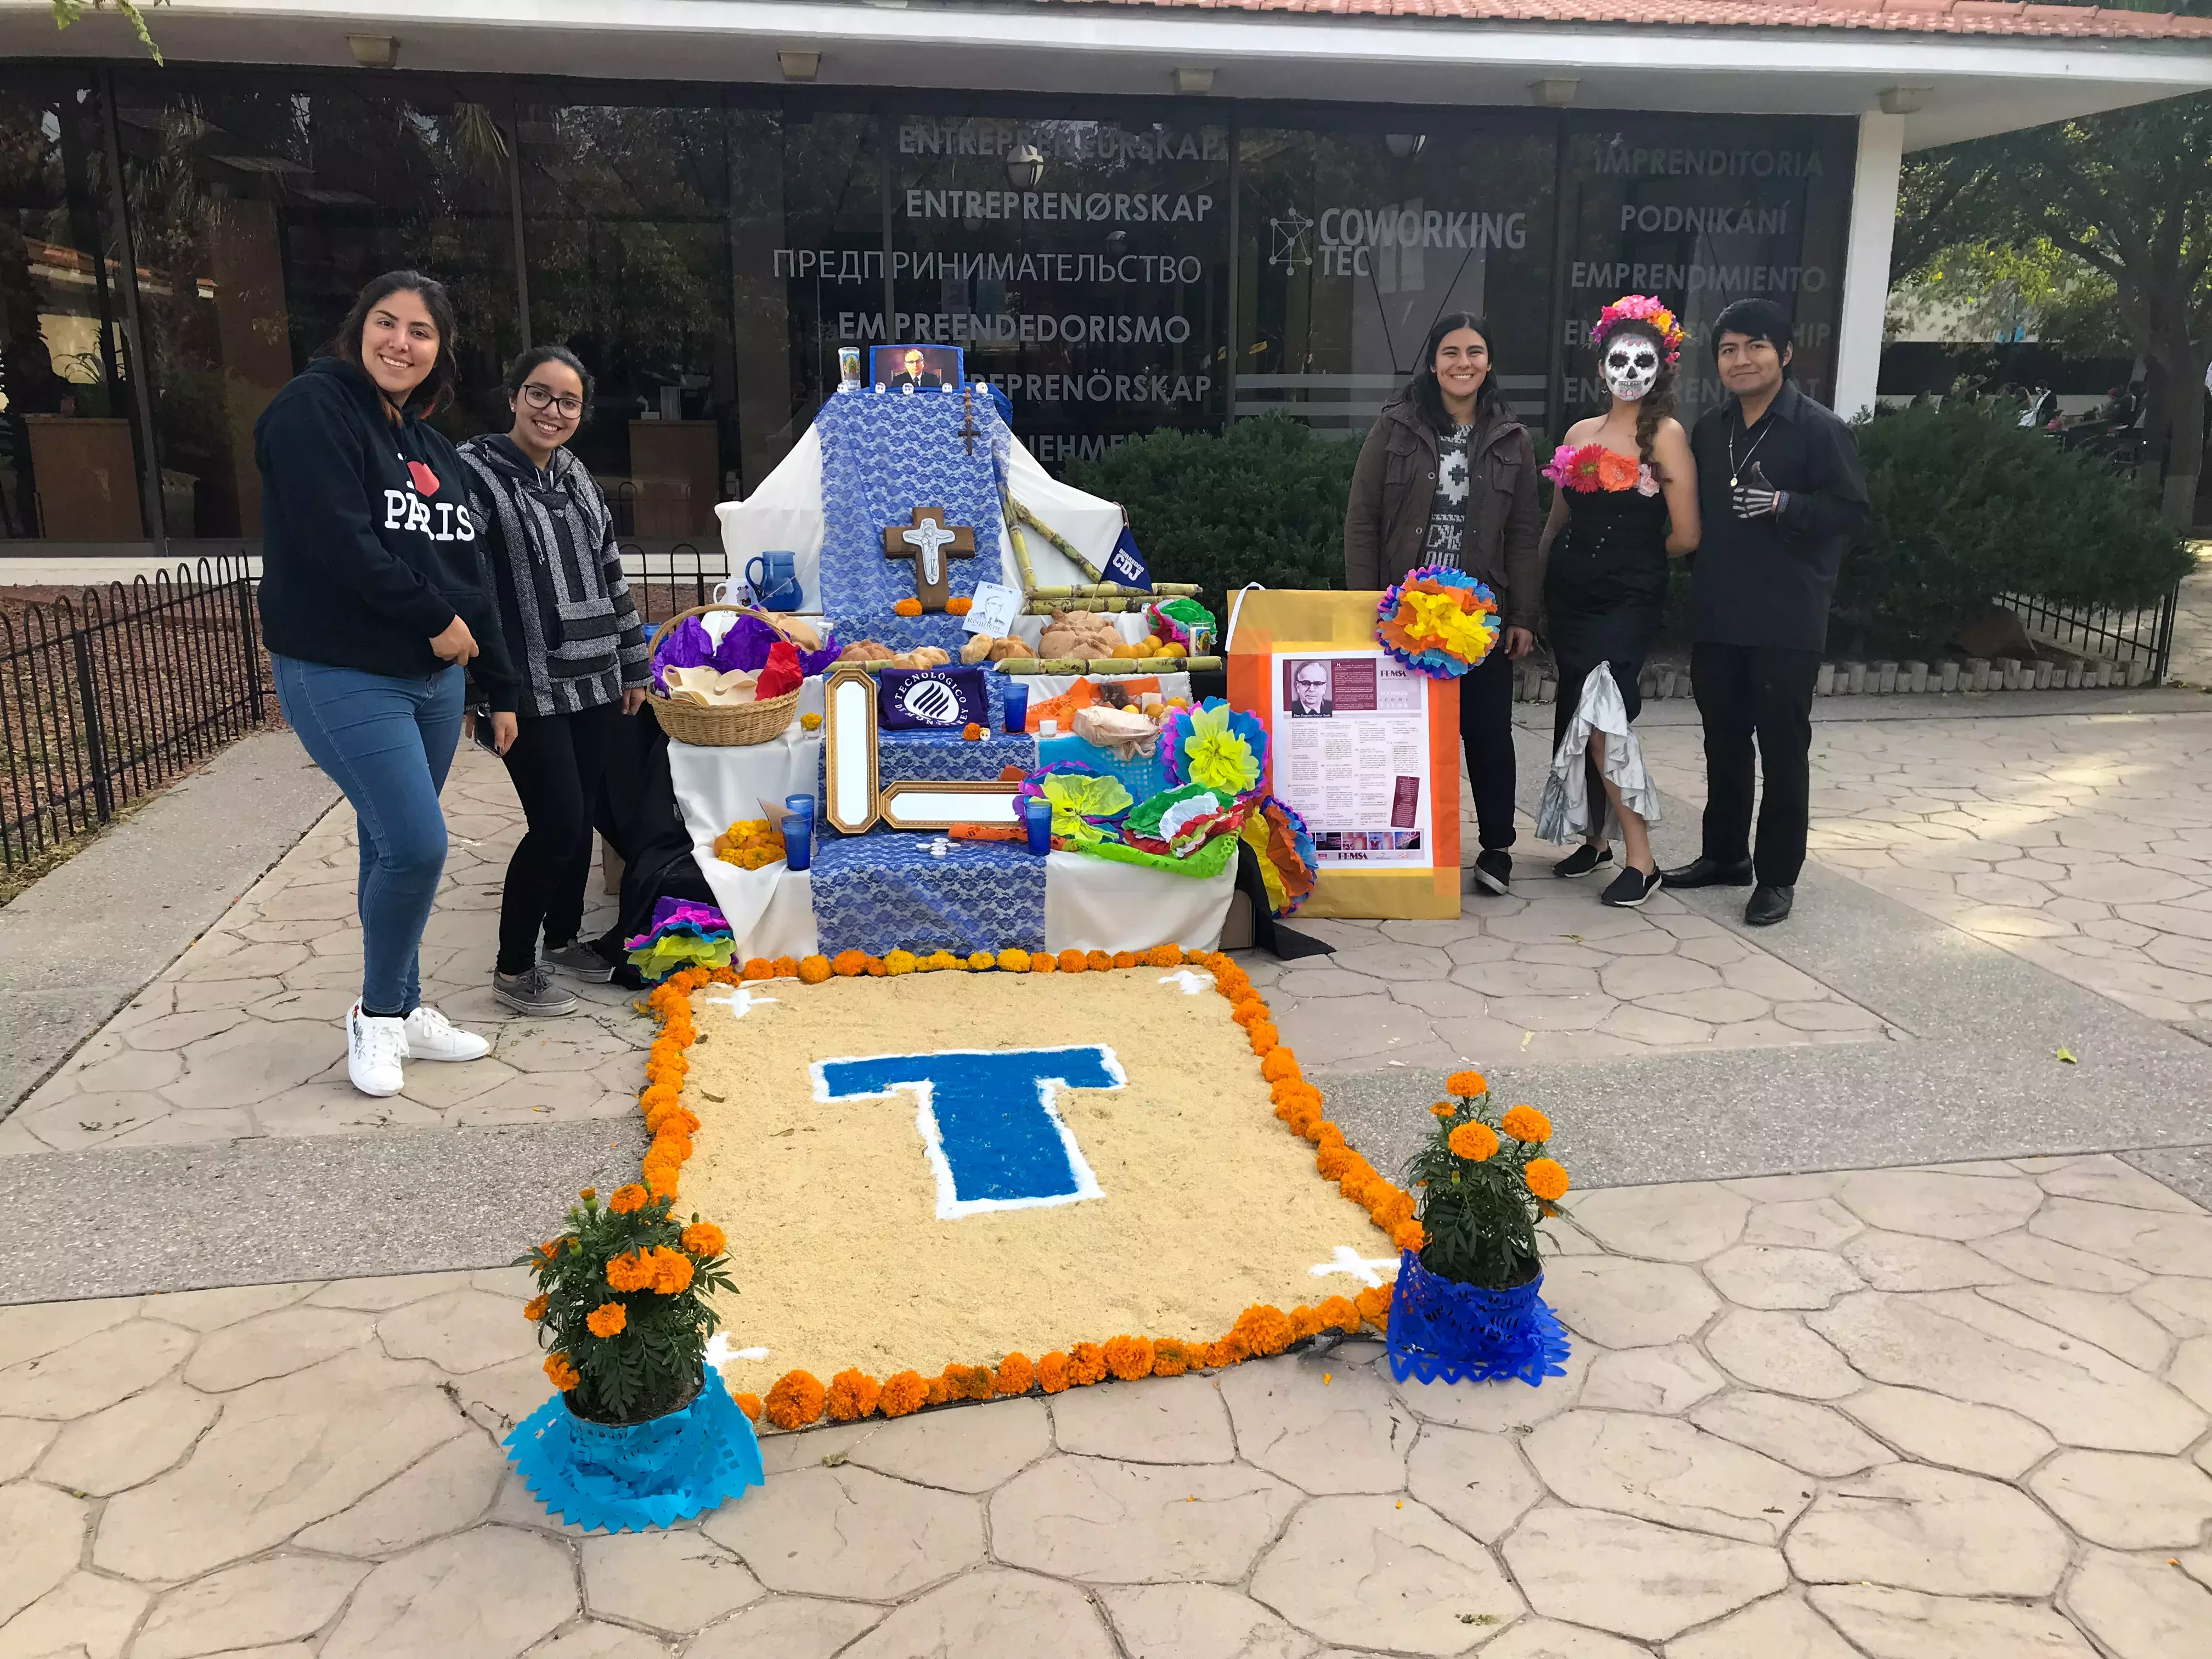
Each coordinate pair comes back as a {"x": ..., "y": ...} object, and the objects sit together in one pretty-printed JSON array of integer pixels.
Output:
[
  {"x": 1263, "y": 503},
  {"x": 1484, "y": 1182},
  {"x": 1966, "y": 505}
]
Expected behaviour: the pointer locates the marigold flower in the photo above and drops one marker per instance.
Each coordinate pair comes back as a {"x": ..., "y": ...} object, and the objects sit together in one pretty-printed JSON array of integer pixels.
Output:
[
  {"x": 563, "y": 1375},
  {"x": 796, "y": 1399},
  {"x": 704, "y": 1239},
  {"x": 673, "y": 1272},
  {"x": 1472, "y": 1141},
  {"x": 1395, "y": 1207},
  {"x": 1125, "y": 958},
  {"x": 1264, "y": 1329},
  {"x": 1373, "y": 1305},
  {"x": 1280, "y": 1063},
  {"x": 1442, "y": 1108},
  {"x": 969, "y": 1382},
  {"x": 1547, "y": 1179},
  {"x": 1086, "y": 1363},
  {"x": 608, "y": 1319},
  {"x": 906, "y": 607},
  {"x": 1014, "y": 961},
  {"x": 1129, "y": 1357},
  {"x": 938, "y": 961},
  {"x": 549, "y": 1249},
  {"x": 971, "y": 732},
  {"x": 959, "y": 605},
  {"x": 1305, "y": 1321},
  {"x": 1015, "y": 1375},
  {"x": 1525, "y": 1123},
  {"x": 1042, "y": 961},
  {"x": 1170, "y": 1358},
  {"x": 1467, "y": 1085},
  {"x": 934, "y": 1392},
  {"x": 750, "y": 1404},
  {"x": 1231, "y": 1349},
  {"x": 1409, "y": 1236},
  {"x": 1340, "y": 1311},
  {"x": 629, "y": 1271},
  {"x": 1332, "y": 1161},
  {"x": 534, "y": 1309},
  {"x": 981, "y": 961},
  {"x": 813, "y": 970},
  {"x": 1052, "y": 1372},
  {"x": 626, "y": 1201},
  {"x": 1329, "y": 1134},
  {"x": 786, "y": 967},
  {"x": 1098, "y": 961},
  {"x": 849, "y": 964},
  {"x": 1263, "y": 1036},
  {"x": 1073, "y": 962},
  {"x": 588, "y": 1194},
  {"x": 902, "y": 1395},
  {"x": 1248, "y": 1012},
  {"x": 759, "y": 968},
  {"x": 1164, "y": 956},
  {"x": 852, "y": 1395}
]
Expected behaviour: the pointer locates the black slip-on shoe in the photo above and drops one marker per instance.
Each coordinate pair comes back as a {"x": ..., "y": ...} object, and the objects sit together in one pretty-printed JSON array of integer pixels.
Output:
[
  {"x": 1631, "y": 887},
  {"x": 1582, "y": 862}
]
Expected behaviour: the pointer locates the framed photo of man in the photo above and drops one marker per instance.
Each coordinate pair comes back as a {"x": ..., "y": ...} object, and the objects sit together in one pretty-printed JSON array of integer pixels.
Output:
[{"x": 916, "y": 367}]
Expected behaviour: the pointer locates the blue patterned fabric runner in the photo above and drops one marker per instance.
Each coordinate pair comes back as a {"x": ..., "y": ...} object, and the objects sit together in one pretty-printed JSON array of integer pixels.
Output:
[
  {"x": 883, "y": 891},
  {"x": 883, "y": 455}
]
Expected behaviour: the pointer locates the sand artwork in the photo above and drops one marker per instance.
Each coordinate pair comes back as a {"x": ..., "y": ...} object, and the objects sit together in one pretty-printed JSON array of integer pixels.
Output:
[{"x": 901, "y": 1192}]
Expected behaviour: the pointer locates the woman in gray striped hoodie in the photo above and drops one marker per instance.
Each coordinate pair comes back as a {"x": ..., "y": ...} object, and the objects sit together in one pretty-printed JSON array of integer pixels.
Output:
[{"x": 579, "y": 653}]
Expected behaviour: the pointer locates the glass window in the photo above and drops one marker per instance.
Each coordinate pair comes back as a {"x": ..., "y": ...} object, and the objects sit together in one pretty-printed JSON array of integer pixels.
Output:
[
  {"x": 1699, "y": 212},
  {"x": 1081, "y": 264},
  {"x": 626, "y": 225},
  {"x": 1355, "y": 239},
  {"x": 806, "y": 233},
  {"x": 68, "y": 466},
  {"x": 259, "y": 211}
]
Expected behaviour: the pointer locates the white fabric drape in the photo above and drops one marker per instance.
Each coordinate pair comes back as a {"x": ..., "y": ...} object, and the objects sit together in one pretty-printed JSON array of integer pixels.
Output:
[
  {"x": 1092, "y": 904},
  {"x": 1566, "y": 812}
]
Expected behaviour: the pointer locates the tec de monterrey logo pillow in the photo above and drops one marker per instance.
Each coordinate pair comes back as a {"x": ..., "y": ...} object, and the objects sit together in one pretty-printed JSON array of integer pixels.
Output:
[{"x": 909, "y": 699}]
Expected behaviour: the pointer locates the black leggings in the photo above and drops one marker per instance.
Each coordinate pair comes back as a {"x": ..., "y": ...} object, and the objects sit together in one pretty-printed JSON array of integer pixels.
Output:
[{"x": 556, "y": 762}]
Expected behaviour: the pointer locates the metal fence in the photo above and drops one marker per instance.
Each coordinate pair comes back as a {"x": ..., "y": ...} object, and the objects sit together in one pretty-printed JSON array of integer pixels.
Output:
[
  {"x": 107, "y": 696},
  {"x": 2139, "y": 638},
  {"x": 667, "y": 580}
]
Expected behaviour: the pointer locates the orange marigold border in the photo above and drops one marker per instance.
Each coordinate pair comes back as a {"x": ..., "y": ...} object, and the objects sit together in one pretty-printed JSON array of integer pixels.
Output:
[{"x": 799, "y": 1399}]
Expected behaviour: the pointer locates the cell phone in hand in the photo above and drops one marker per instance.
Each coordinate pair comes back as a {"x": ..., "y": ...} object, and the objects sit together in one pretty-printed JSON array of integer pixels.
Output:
[{"x": 480, "y": 728}]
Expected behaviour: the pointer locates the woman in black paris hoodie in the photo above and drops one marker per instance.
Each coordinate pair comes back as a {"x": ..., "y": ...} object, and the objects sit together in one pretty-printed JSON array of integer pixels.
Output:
[
  {"x": 376, "y": 603},
  {"x": 579, "y": 658}
]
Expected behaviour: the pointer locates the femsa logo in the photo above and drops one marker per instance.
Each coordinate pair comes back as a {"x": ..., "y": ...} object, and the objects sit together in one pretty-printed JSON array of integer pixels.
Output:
[{"x": 442, "y": 521}]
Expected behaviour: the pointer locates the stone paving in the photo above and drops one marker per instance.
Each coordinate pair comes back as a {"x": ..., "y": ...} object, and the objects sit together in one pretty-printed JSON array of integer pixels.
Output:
[
  {"x": 2193, "y": 625},
  {"x": 2081, "y": 842},
  {"x": 1956, "y": 1413}
]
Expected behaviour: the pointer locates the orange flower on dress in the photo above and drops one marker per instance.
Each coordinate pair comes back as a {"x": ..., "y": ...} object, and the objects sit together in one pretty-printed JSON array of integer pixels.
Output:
[
  {"x": 628, "y": 1199},
  {"x": 1616, "y": 472},
  {"x": 796, "y": 1399},
  {"x": 608, "y": 1319},
  {"x": 704, "y": 1239}
]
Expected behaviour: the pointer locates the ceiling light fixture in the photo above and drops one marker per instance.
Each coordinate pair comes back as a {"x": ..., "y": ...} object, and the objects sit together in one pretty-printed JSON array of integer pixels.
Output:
[
  {"x": 373, "y": 51},
  {"x": 1194, "y": 82},
  {"x": 800, "y": 66},
  {"x": 1904, "y": 100},
  {"x": 1556, "y": 93}
]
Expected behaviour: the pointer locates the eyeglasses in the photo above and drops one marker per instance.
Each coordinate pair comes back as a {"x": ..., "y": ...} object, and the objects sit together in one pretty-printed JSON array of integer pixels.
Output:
[{"x": 542, "y": 396}]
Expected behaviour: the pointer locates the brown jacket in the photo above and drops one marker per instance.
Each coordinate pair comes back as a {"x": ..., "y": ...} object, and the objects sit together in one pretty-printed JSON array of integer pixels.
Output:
[{"x": 1386, "y": 524}]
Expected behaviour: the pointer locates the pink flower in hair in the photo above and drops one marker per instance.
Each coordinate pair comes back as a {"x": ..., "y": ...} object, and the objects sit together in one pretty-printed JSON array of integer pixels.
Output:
[{"x": 1642, "y": 308}]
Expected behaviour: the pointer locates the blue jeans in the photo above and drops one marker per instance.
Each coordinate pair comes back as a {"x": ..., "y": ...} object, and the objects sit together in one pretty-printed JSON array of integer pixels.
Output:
[{"x": 386, "y": 742}]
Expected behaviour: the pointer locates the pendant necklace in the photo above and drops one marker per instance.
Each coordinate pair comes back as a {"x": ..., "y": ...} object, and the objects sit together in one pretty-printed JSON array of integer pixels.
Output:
[{"x": 1748, "y": 454}]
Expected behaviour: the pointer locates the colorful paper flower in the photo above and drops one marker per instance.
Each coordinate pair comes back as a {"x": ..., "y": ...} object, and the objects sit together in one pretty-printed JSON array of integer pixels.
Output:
[
  {"x": 1288, "y": 863},
  {"x": 1083, "y": 802},
  {"x": 1642, "y": 308},
  {"x": 1176, "y": 821},
  {"x": 1182, "y": 622},
  {"x": 1439, "y": 621},
  {"x": 1214, "y": 745}
]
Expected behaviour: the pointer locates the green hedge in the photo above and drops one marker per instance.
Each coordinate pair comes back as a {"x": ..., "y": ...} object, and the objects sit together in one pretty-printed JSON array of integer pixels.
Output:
[
  {"x": 1967, "y": 506},
  {"x": 1265, "y": 503}
]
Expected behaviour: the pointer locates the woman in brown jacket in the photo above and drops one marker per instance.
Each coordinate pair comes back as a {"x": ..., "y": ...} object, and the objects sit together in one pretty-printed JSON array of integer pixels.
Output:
[{"x": 1448, "y": 476}]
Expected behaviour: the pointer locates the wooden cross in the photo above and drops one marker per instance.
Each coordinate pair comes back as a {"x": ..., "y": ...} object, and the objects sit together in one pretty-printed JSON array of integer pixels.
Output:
[
  {"x": 928, "y": 541},
  {"x": 967, "y": 416}
]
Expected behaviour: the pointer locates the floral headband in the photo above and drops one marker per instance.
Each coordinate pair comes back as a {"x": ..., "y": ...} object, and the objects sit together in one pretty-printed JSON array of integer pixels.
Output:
[{"x": 1641, "y": 309}]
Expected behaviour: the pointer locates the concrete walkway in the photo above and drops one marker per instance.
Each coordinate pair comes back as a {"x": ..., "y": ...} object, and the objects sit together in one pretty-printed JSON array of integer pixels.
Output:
[{"x": 1893, "y": 1415}]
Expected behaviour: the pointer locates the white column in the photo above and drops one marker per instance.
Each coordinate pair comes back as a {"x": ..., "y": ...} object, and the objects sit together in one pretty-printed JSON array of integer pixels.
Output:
[{"x": 1866, "y": 261}]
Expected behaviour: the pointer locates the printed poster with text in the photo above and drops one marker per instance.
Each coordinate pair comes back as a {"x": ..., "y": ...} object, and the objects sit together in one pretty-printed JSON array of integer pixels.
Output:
[{"x": 1365, "y": 748}]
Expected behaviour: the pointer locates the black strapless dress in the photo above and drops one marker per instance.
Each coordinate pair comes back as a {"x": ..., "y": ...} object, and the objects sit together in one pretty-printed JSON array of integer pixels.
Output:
[{"x": 1605, "y": 590}]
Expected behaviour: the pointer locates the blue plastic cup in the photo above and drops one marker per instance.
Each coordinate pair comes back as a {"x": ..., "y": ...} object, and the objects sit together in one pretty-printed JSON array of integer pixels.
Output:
[
  {"x": 799, "y": 831},
  {"x": 1017, "y": 706},
  {"x": 1040, "y": 826}
]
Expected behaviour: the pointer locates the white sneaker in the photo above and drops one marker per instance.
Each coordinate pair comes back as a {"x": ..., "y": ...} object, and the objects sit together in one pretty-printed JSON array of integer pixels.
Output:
[
  {"x": 431, "y": 1035},
  {"x": 374, "y": 1050}
]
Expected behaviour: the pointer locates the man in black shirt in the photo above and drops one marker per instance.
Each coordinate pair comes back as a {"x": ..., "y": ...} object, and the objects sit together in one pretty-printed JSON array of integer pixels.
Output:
[{"x": 1781, "y": 492}]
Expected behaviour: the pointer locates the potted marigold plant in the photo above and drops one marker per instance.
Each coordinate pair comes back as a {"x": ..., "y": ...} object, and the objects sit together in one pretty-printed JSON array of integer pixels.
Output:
[
  {"x": 641, "y": 1432},
  {"x": 1467, "y": 1303}
]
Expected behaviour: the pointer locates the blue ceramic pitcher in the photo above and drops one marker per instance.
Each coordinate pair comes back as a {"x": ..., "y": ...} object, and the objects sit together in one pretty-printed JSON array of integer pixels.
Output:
[{"x": 773, "y": 579}]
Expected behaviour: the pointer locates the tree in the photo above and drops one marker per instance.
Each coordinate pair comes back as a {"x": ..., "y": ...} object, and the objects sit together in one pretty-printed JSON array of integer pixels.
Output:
[
  {"x": 2130, "y": 195},
  {"x": 67, "y": 11}
]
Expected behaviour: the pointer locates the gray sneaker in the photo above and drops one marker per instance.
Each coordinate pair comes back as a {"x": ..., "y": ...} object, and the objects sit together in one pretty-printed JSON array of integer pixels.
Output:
[
  {"x": 533, "y": 993},
  {"x": 579, "y": 961}
]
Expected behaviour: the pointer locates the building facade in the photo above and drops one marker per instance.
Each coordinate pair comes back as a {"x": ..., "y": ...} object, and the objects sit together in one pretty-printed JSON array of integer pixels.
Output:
[{"x": 176, "y": 241}]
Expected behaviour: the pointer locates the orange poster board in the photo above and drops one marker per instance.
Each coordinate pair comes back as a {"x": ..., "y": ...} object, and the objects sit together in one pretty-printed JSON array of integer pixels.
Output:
[{"x": 1366, "y": 751}]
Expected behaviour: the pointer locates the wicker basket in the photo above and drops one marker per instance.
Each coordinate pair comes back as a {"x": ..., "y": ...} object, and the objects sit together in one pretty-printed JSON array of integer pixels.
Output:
[{"x": 735, "y": 728}]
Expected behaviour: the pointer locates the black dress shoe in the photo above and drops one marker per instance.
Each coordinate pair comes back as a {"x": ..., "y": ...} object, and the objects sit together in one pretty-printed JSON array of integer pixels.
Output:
[
  {"x": 1493, "y": 871},
  {"x": 1768, "y": 905},
  {"x": 1702, "y": 871}
]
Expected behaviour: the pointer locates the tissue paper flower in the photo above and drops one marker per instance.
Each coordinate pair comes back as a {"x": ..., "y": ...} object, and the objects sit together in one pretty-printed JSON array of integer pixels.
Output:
[
  {"x": 1288, "y": 863},
  {"x": 1177, "y": 822},
  {"x": 744, "y": 648},
  {"x": 1439, "y": 621},
  {"x": 1214, "y": 745},
  {"x": 1080, "y": 802}
]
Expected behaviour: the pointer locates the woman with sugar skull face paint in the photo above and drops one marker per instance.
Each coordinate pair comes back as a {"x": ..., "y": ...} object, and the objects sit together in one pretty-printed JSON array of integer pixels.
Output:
[{"x": 1626, "y": 502}]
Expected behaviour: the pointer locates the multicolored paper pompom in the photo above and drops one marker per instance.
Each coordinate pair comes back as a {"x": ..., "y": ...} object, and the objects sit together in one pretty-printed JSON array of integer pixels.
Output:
[
  {"x": 1288, "y": 863},
  {"x": 1439, "y": 621},
  {"x": 1215, "y": 745}
]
